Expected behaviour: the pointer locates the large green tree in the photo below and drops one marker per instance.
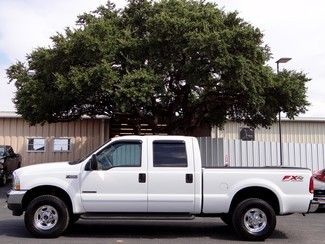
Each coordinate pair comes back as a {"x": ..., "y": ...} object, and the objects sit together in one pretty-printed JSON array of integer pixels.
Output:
[{"x": 181, "y": 62}]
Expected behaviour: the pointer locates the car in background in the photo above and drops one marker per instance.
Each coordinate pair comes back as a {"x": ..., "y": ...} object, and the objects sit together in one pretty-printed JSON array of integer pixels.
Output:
[
  {"x": 9, "y": 162},
  {"x": 319, "y": 184}
]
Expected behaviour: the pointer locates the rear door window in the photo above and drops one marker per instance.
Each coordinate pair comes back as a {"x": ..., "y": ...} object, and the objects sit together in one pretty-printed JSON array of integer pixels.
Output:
[{"x": 169, "y": 154}]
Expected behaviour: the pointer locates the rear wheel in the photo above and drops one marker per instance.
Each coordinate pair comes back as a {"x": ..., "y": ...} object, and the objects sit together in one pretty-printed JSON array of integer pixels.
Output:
[
  {"x": 46, "y": 216},
  {"x": 254, "y": 219}
]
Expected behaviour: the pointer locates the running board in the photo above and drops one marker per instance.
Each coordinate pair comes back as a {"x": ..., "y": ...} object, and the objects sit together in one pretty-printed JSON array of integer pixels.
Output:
[{"x": 136, "y": 216}]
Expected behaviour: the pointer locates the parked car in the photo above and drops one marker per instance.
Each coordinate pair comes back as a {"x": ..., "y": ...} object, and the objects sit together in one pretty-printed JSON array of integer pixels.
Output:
[
  {"x": 9, "y": 162},
  {"x": 156, "y": 177},
  {"x": 319, "y": 182}
]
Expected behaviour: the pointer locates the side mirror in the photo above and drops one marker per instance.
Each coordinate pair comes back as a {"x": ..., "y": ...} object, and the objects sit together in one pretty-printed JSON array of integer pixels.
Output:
[{"x": 92, "y": 163}]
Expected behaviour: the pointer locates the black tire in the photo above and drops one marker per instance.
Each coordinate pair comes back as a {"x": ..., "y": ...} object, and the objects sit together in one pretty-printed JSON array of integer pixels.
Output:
[
  {"x": 226, "y": 218},
  {"x": 62, "y": 215},
  {"x": 246, "y": 229},
  {"x": 3, "y": 180}
]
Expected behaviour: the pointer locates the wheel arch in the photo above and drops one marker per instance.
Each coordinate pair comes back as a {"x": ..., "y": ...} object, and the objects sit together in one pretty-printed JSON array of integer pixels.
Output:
[
  {"x": 47, "y": 190},
  {"x": 256, "y": 192}
]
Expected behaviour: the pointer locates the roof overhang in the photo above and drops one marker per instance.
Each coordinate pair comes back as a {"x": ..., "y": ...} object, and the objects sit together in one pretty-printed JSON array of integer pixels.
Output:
[{"x": 12, "y": 114}]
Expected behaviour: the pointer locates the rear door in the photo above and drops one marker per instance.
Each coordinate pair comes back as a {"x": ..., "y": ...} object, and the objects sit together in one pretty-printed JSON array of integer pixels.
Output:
[{"x": 170, "y": 176}]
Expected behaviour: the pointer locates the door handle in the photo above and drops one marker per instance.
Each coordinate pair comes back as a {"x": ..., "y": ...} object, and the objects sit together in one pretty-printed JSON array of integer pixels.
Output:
[
  {"x": 189, "y": 178},
  {"x": 142, "y": 178}
]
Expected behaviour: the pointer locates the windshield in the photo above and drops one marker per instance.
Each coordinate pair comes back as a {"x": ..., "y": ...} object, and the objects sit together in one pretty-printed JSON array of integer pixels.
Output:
[
  {"x": 2, "y": 151},
  {"x": 86, "y": 156}
]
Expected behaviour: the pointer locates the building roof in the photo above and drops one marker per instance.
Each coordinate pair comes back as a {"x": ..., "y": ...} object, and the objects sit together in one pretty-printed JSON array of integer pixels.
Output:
[
  {"x": 9, "y": 114},
  {"x": 13, "y": 114},
  {"x": 304, "y": 119}
]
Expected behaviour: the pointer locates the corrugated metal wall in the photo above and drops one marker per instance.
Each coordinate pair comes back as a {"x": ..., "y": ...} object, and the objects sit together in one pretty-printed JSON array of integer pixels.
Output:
[
  {"x": 211, "y": 151},
  {"x": 85, "y": 135},
  {"x": 237, "y": 153},
  {"x": 292, "y": 131}
]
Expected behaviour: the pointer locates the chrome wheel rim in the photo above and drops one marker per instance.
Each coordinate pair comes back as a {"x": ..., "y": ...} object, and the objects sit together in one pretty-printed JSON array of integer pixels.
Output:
[
  {"x": 255, "y": 220},
  {"x": 45, "y": 217}
]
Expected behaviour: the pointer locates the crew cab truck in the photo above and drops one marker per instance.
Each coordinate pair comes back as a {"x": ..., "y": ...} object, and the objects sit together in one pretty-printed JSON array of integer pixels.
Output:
[{"x": 156, "y": 177}]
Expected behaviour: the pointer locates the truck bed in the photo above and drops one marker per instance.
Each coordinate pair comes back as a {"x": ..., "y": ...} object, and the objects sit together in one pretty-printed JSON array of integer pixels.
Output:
[{"x": 289, "y": 185}]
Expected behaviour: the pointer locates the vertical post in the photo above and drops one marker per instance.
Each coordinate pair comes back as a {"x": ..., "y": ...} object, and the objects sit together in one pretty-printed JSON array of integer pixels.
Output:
[
  {"x": 102, "y": 131},
  {"x": 280, "y": 133},
  {"x": 281, "y": 161},
  {"x": 281, "y": 60}
]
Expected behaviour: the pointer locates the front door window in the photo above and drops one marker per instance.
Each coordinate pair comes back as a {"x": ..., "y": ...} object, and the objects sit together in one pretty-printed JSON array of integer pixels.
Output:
[{"x": 120, "y": 154}]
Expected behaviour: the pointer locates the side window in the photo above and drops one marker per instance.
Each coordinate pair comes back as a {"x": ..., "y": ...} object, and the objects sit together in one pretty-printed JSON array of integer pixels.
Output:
[
  {"x": 120, "y": 154},
  {"x": 169, "y": 154},
  {"x": 36, "y": 145},
  {"x": 61, "y": 144}
]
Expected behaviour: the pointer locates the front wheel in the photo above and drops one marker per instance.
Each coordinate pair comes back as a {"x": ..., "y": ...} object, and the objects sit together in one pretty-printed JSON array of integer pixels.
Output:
[
  {"x": 46, "y": 216},
  {"x": 254, "y": 219}
]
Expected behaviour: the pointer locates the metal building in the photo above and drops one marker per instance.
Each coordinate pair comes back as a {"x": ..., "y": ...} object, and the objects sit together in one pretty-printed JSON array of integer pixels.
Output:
[
  {"x": 63, "y": 141},
  {"x": 72, "y": 140},
  {"x": 299, "y": 130},
  {"x": 303, "y": 144},
  {"x": 52, "y": 142}
]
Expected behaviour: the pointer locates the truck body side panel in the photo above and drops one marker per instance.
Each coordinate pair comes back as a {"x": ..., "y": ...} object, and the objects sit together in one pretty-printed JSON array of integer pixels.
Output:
[{"x": 291, "y": 186}]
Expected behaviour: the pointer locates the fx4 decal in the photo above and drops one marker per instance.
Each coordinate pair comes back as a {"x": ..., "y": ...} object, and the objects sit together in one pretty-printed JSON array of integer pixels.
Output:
[{"x": 293, "y": 178}]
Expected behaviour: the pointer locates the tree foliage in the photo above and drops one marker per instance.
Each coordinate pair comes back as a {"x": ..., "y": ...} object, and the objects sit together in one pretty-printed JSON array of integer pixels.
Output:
[{"x": 180, "y": 62}]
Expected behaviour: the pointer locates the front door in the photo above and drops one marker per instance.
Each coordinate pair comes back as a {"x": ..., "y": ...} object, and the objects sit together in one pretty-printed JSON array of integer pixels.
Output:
[{"x": 119, "y": 184}]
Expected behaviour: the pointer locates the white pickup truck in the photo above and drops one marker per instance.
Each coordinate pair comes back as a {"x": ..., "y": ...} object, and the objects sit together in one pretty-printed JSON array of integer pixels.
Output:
[{"x": 156, "y": 177}]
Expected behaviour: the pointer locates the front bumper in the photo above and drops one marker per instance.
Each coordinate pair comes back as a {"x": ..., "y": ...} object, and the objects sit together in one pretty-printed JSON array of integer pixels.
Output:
[{"x": 15, "y": 202}]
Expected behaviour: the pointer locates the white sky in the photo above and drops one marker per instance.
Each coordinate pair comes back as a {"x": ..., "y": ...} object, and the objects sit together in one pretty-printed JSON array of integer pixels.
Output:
[{"x": 292, "y": 28}]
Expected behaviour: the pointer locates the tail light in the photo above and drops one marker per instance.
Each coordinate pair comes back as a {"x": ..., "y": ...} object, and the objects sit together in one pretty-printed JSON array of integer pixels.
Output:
[
  {"x": 320, "y": 175},
  {"x": 311, "y": 185}
]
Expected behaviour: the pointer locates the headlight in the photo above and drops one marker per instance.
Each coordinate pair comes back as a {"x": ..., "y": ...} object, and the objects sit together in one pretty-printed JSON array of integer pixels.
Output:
[{"x": 15, "y": 182}]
